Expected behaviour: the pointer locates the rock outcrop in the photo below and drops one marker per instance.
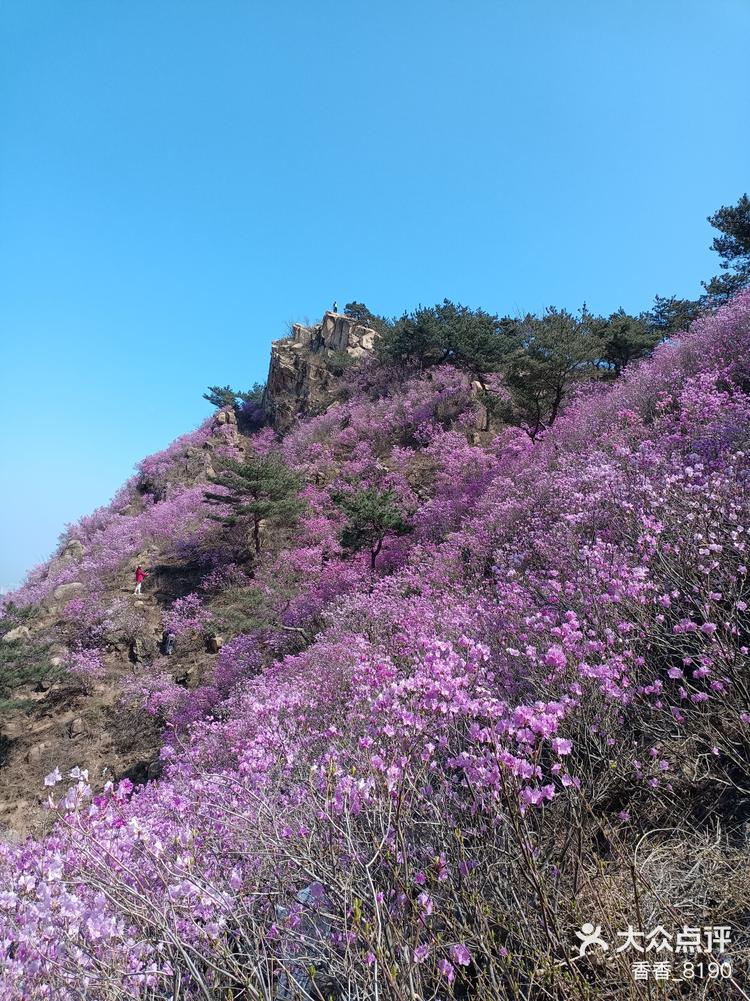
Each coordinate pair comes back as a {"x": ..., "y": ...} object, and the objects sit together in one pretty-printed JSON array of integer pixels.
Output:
[
  {"x": 66, "y": 592},
  {"x": 17, "y": 635},
  {"x": 303, "y": 369}
]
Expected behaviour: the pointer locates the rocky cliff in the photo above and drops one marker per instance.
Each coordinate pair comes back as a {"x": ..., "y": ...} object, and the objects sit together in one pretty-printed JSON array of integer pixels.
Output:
[{"x": 303, "y": 367}]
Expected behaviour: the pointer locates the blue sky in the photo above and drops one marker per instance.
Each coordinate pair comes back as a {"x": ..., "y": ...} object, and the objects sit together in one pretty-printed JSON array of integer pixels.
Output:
[{"x": 180, "y": 179}]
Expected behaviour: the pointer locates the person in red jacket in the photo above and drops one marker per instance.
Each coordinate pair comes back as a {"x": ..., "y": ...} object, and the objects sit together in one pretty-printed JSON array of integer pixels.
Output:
[{"x": 140, "y": 576}]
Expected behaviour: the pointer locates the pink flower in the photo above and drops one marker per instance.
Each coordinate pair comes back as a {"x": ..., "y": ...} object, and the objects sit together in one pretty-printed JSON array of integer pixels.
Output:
[
  {"x": 460, "y": 955},
  {"x": 421, "y": 953},
  {"x": 561, "y": 746},
  {"x": 448, "y": 970},
  {"x": 425, "y": 902},
  {"x": 555, "y": 657}
]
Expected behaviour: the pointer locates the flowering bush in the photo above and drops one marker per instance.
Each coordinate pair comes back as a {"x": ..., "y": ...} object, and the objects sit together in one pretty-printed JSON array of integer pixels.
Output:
[
  {"x": 86, "y": 663},
  {"x": 538, "y": 697},
  {"x": 186, "y": 615}
]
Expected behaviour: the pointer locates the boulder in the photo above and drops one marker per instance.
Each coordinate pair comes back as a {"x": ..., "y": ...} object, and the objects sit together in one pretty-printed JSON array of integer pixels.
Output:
[
  {"x": 154, "y": 770},
  {"x": 17, "y": 635},
  {"x": 137, "y": 651},
  {"x": 64, "y": 592},
  {"x": 214, "y": 643},
  {"x": 74, "y": 550},
  {"x": 34, "y": 753},
  {"x": 225, "y": 417},
  {"x": 482, "y": 421},
  {"x": 75, "y": 727},
  {"x": 187, "y": 677}
]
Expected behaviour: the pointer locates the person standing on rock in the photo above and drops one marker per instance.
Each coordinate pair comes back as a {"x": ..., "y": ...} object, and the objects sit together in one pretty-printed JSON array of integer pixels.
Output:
[
  {"x": 335, "y": 307},
  {"x": 140, "y": 576}
]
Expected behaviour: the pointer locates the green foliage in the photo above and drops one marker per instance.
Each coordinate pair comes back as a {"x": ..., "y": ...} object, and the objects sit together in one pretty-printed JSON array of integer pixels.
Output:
[
  {"x": 13, "y": 616},
  {"x": 371, "y": 514},
  {"x": 22, "y": 665},
  {"x": 553, "y": 354},
  {"x": 224, "y": 397},
  {"x": 221, "y": 397},
  {"x": 257, "y": 489},
  {"x": 670, "y": 314},
  {"x": 240, "y": 610},
  {"x": 624, "y": 339},
  {"x": 254, "y": 394},
  {"x": 339, "y": 361},
  {"x": 359, "y": 312},
  {"x": 733, "y": 247},
  {"x": 469, "y": 339}
]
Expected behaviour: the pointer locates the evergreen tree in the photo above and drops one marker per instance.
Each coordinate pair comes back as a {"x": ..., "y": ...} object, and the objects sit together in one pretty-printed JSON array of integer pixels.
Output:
[
  {"x": 371, "y": 514},
  {"x": 257, "y": 489},
  {"x": 733, "y": 247},
  {"x": 470, "y": 339},
  {"x": 624, "y": 339},
  {"x": 359, "y": 312},
  {"x": 670, "y": 314},
  {"x": 247, "y": 404},
  {"x": 553, "y": 354},
  {"x": 221, "y": 397}
]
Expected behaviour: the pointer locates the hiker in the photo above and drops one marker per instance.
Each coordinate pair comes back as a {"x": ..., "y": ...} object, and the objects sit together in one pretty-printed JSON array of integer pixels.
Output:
[
  {"x": 140, "y": 576},
  {"x": 168, "y": 642},
  {"x": 335, "y": 307}
]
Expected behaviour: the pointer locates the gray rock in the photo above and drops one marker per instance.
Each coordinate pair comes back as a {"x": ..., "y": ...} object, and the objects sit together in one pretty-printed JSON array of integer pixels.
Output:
[
  {"x": 75, "y": 727},
  {"x": 300, "y": 377},
  {"x": 34, "y": 753},
  {"x": 64, "y": 592},
  {"x": 187, "y": 677},
  {"x": 17, "y": 635},
  {"x": 137, "y": 651},
  {"x": 74, "y": 550},
  {"x": 154, "y": 770},
  {"x": 225, "y": 417},
  {"x": 214, "y": 643}
]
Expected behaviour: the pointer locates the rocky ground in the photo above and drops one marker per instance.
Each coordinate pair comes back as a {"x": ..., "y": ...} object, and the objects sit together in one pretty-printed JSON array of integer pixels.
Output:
[{"x": 75, "y": 721}]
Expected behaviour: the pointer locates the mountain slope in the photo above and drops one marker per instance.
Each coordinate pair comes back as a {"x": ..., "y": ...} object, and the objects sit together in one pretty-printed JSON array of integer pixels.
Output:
[{"x": 418, "y": 774}]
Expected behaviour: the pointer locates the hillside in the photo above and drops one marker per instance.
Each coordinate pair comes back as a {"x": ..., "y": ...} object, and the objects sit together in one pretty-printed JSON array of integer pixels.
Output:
[{"x": 444, "y": 691}]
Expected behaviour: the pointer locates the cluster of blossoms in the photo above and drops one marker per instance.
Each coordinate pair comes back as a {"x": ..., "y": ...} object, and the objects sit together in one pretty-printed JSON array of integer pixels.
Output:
[
  {"x": 87, "y": 663},
  {"x": 561, "y": 610},
  {"x": 187, "y": 614}
]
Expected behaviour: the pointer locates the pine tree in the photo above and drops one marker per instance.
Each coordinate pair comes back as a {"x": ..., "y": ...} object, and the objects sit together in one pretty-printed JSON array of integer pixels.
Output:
[
  {"x": 371, "y": 514},
  {"x": 553, "y": 354},
  {"x": 247, "y": 404},
  {"x": 733, "y": 247},
  {"x": 257, "y": 490},
  {"x": 625, "y": 339},
  {"x": 670, "y": 314},
  {"x": 470, "y": 339}
]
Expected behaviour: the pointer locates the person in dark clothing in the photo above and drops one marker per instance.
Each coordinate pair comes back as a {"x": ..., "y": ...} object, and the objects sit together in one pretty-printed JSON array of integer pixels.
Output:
[
  {"x": 168, "y": 642},
  {"x": 335, "y": 307}
]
